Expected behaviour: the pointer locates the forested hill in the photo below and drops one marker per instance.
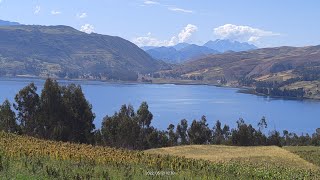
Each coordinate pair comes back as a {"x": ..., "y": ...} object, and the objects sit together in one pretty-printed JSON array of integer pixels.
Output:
[{"x": 64, "y": 52}]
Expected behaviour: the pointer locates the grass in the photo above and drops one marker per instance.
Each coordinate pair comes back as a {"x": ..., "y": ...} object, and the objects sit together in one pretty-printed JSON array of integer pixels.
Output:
[
  {"x": 280, "y": 76},
  {"x": 309, "y": 153},
  {"x": 23, "y": 157},
  {"x": 259, "y": 155}
]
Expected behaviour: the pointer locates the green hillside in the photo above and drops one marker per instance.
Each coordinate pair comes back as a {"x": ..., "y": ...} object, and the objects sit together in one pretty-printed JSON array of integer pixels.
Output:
[{"x": 64, "y": 52}]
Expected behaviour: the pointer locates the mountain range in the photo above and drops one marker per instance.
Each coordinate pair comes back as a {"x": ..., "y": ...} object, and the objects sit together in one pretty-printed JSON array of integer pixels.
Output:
[
  {"x": 179, "y": 53},
  {"x": 62, "y": 51},
  {"x": 255, "y": 63},
  {"x": 284, "y": 68},
  {"x": 183, "y": 51}
]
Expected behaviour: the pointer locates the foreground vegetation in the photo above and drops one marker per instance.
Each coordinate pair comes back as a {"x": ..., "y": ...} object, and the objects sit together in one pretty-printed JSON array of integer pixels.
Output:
[
  {"x": 37, "y": 143},
  {"x": 25, "y": 157},
  {"x": 258, "y": 155},
  {"x": 309, "y": 153}
]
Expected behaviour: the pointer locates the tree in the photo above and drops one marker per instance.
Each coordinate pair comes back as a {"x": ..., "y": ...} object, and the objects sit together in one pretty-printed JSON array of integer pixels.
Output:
[
  {"x": 157, "y": 139},
  {"x": 172, "y": 136},
  {"x": 144, "y": 115},
  {"x": 144, "y": 118},
  {"x": 7, "y": 118},
  {"x": 98, "y": 138},
  {"x": 244, "y": 135},
  {"x": 217, "y": 133},
  {"x": 199, "y": 132},
  {"x": 53, "y": 112},
  {"x": 274, "y": 138},
  {"x": 78, "y": 115},
  {"x": 262, "y": 124},
  {"x": 28, "y": 105},
  {"x": 226, "y": 133},
  {"x": 122, "y": 130},
  {"x": 286, "y": 138},
  {"x": 316, "y": 138},
  {"x": 181, "y": 131}
]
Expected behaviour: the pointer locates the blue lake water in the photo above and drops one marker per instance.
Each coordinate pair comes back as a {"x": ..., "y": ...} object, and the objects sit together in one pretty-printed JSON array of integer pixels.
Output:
[{"x": 171, "y": 103}]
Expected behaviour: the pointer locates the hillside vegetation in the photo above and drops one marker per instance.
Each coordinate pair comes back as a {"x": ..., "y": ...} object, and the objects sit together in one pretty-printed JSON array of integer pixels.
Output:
[
  {"x": 273, "y": 68},
  {"x": 30, "y": 158},
  {"x": 64, "y": 52}
]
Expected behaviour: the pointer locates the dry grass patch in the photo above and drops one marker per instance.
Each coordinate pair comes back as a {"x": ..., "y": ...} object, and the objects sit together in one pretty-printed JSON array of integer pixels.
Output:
[
  {"x": 260, "y": 155},
  {"x": 281, "y": 76}
]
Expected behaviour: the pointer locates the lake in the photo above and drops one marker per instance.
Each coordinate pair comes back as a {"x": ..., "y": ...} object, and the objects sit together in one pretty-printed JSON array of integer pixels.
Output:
[{"x": 170, "y": 103}]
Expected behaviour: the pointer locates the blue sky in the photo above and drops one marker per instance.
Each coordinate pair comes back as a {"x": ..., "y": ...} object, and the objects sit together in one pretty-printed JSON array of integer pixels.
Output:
[{"x": 163, "y": 22}]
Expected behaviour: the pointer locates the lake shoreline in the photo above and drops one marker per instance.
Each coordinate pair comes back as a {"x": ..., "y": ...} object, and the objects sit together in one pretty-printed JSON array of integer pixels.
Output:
[
  {"x": 241, "y": 89},
  {"x": 170, "y": 103}
]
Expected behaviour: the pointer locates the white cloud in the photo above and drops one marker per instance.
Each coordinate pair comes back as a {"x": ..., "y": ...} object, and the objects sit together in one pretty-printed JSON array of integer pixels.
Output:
[
  {"x": 37, "y": 10},
  {"x": 151, "y": 2},
  {"x": 187, "y": 32},
  {"x": 180, "y": 10},
  {"x": 53, "y": 12},
  {"x": 183, "y": 36},
  {"x": 169, "y": 7},
  {"x": 87, "y": 28},
  {"x": 242, "y": 33},
  {"x": 152, "y": 41},
  {"x": 82, "y": 15}
]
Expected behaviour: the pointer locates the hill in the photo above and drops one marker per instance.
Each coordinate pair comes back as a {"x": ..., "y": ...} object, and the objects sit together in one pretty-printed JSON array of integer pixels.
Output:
[
  {"x": 24, "y": 157},
  {"x": 8, "y": 23},
  {"x": 280, "y": 67},
  {"x": 62, "y": 51}
]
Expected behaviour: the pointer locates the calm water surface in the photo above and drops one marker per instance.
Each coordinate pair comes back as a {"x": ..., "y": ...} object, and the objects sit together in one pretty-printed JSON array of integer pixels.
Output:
[{"x": 171, "y": 103}]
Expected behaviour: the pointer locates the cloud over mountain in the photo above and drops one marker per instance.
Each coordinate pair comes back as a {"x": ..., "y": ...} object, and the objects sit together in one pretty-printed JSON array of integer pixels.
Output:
[
  {"x": 87, "y": 28},
  {"x": 242, "y": 33},
  {"x": 187, "y": 32},
  {"x": 184, "y": 35}
]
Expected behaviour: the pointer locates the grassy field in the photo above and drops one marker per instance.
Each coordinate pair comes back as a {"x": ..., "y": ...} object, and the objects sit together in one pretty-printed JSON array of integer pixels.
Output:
[
  {"x": 30, "y": 158},
  {"x": 259, "y": 155},
  {"x": 309, "y": 153}
]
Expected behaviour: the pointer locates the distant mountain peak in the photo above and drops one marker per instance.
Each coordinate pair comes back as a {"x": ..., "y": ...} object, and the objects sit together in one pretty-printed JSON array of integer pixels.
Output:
[
  {"x": 223, "y": 45},
  {"x": 183, "y": 51},
  {"x": 8, "y": 23},
  {"x": 180, "y": 46}
]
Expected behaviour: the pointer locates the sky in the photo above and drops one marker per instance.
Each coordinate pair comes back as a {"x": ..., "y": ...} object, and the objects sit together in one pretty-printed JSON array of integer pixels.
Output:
[{"x": 267, "y": 23}]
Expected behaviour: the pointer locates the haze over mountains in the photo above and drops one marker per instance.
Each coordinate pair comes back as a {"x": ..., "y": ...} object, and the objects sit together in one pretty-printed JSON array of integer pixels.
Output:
[
  {"x": 62, "y": 51},
  {"x": 183, "y": 51}
]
